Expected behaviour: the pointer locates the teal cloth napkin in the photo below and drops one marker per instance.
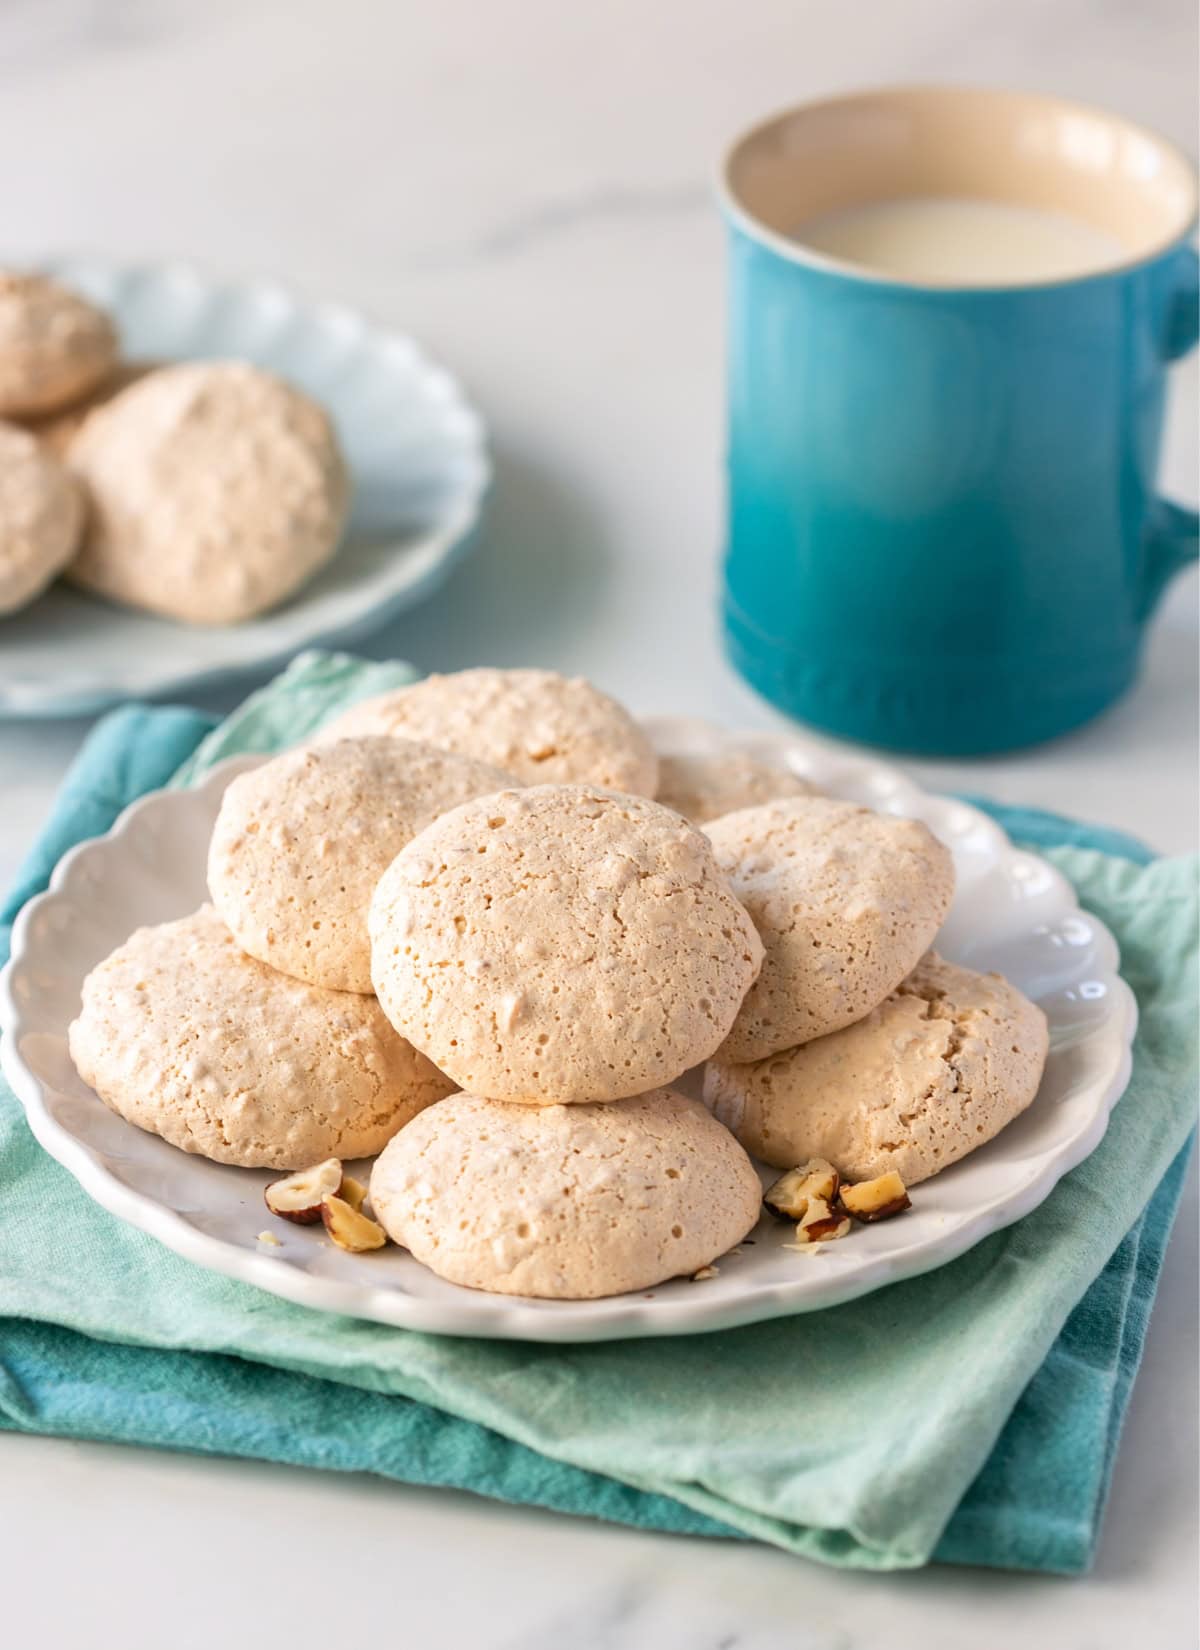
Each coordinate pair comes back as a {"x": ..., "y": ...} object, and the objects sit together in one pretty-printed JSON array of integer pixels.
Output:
[{"x": 855, "y": 1436}]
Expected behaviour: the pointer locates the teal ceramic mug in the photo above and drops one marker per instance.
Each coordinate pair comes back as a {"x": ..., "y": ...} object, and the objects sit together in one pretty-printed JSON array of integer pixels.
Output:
[{"x": 944, "y": 534}]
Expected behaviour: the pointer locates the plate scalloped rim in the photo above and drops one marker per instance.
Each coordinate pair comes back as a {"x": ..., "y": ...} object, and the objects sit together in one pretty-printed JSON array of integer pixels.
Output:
[{"x": 679, "y": 1307}]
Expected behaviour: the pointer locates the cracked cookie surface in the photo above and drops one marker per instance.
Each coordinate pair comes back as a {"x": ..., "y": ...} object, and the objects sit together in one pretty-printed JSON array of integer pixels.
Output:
[
  {"x": 183, "y": 1034},
  {"x": 560, "y": 944},
  {"x": 939, "y": 1068},
  {"x": 565, "y": 1202},
  {"x": 704, "y": 786},
  {"x": 301, "y": 842},
  {"x": 846, "y": 901},
  {"x": 542, "y": 728}
]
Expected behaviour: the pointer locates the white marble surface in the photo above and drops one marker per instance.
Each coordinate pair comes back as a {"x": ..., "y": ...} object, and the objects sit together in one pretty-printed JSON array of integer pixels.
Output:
[{"x": 525, "y": 187}]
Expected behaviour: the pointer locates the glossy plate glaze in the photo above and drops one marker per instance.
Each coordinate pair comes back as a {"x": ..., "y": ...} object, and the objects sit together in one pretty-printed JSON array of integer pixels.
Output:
[
  {"x": 1012, "y": 912},
  {"x": 416, "y": 450}
]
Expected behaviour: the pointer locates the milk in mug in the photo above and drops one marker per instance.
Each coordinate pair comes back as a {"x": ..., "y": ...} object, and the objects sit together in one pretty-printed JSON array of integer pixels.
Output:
[{"x": 947, "y": 241}]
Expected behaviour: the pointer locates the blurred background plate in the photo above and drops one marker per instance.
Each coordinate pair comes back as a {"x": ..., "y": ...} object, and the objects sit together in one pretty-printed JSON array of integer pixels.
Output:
[{"x": 416, "y": 448}]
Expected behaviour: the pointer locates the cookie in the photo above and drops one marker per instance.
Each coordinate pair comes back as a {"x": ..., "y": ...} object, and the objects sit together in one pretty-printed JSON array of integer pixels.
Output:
[
  {"x": 543, "y": 728},
  {"x": 705, "y": 787},
  {"x": 939, "y": 1068},
  {"x": 565, "y": 1202},
  {"x": 560, "y": 944},
  {"x": 301, "y": 841},
  {"x": 216, "y": 490},
  {"x": 41, "y": 516},
  {"x": 54, "y": 345},
  {"x": 183, "y": 1034},
  {"x": 846, "y": 901},
  {"x": 58, "y": 429}
]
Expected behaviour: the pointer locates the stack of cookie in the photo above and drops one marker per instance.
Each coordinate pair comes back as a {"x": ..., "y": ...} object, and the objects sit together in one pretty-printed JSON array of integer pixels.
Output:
[
  {"x": 457, "y": 931},
  {"x": 857, "y": 1044},
  {"x": 249, "y": 1031},
  {"x": 206, "y": 491},
  {"x": 564, "y": 953}
]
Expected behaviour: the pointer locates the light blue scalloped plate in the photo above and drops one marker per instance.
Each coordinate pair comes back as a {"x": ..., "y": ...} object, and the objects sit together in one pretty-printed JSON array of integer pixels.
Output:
[{"x": 416, "y": 448}]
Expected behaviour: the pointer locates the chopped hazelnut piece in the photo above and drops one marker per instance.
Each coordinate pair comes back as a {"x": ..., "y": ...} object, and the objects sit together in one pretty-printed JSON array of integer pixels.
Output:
[
  {"x": 877, "y": 1199},
  {"x": 788, "y": 1198},
  {"x": 703, "y": 1274},
  {"x": 270, "y": 1239},
  {"x": 820, "y": 1223},
  {"x": 350, "y": 1229},
  {"x": 298, "y": 1196},
  {"x": 354, "y": 1192}
]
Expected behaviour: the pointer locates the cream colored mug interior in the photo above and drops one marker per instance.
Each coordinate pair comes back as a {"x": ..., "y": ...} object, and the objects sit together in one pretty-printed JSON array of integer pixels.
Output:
[{"x": 1014, "y": 148}]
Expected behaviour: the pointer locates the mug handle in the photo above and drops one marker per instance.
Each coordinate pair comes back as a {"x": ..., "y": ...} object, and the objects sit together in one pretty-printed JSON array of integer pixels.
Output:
[{"x": 1174, "y": 538}]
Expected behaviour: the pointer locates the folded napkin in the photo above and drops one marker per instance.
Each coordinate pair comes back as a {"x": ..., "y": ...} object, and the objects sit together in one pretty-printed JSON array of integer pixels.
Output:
[{"x": 970, "y": 1415}]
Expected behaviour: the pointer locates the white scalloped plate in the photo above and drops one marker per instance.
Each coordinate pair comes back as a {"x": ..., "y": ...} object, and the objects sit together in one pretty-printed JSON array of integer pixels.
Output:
[
  {"x": 416, "y": 450},
  {"x": 1012, "y": 912}
]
